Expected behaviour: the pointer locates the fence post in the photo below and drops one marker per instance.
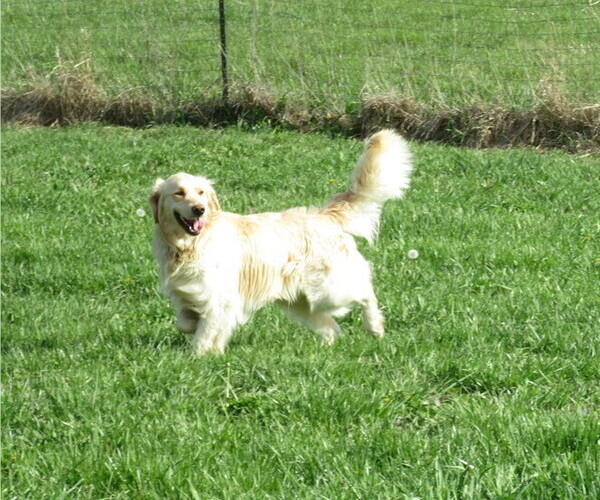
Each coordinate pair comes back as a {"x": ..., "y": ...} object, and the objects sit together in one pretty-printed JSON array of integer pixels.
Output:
[{"x": 224, "y": 78}]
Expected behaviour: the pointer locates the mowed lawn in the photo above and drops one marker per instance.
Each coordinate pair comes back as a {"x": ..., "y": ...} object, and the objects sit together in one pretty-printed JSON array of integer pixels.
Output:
[{"x": 485, "y": 386}]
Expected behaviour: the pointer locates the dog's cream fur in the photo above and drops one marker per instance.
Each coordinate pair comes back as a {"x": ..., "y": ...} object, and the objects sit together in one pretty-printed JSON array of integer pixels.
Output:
[{"x": 218, "y": 267}]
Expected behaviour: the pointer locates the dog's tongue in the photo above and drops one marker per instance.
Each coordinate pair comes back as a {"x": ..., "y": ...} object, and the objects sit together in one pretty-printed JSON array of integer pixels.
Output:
[{"x": 196, "y": 224}]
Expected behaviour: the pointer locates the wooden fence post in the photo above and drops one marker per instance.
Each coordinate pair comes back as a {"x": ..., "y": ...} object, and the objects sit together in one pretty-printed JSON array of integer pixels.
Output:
[{"x": 224, "y": 76}]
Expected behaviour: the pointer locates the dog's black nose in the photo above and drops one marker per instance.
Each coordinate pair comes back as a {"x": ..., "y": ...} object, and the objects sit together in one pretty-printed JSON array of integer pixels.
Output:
[{"x": 198, "y": 210}]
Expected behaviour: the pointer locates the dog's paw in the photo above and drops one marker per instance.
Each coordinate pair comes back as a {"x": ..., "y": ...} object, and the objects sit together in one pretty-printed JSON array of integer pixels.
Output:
[
  {"x": 374, "y": 323},
  {"x": 202, "y": 350},
  {"x": 328, "y": 339},
  {"x": 378, "y": 333}
]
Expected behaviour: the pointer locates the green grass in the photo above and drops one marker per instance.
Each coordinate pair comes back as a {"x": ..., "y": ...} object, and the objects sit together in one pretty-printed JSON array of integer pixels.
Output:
[
  {"x": 486, "y": 385},
  {"x": 436, "y": 52}
]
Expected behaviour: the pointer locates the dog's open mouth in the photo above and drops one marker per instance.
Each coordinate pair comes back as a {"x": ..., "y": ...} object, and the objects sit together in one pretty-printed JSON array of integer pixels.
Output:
[{"x": 191, "y": 226}]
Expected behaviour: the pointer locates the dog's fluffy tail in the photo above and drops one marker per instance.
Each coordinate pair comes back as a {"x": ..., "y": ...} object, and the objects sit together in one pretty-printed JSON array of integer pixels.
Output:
[{"x": 382, "y": 173}]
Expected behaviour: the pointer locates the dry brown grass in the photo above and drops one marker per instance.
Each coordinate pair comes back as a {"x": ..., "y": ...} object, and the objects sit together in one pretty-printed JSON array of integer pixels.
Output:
[
  {"x": 552, "y": 124},
  {"x": 249, "y": 104},
  {"x": 67, "y": 95},
  {"x": 70, "y": 95}
]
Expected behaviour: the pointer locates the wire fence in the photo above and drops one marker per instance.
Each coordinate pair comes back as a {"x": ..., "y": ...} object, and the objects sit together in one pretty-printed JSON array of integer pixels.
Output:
[{"x": 330, "y": 53}]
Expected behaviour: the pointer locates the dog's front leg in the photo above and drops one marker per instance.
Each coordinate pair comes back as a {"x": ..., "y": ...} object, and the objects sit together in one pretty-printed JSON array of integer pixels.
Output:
[
  {"x": 187, "y": 320},
  {"x": 211, "y": 335}
]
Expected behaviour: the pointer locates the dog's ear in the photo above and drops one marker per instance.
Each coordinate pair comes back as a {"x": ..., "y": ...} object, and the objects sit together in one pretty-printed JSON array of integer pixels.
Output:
[
  {"x": 154, "y": 197},
  {"x": 213, "y": 202}
]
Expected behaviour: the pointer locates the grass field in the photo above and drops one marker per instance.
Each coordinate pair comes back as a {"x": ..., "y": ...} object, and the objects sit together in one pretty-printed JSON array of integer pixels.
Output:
[
  {"x": 486, "y": 385},
  {"x": 436, "y": 52}
]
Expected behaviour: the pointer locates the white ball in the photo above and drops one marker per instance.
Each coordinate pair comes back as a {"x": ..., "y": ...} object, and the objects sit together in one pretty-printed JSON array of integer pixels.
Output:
[
  {"x": 412, "y": 254},
  {"x": 140, "y": 212}
]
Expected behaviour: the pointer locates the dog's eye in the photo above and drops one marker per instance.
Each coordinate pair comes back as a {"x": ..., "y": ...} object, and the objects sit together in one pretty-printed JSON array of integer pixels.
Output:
[
  {"x": 180, "y": 193},
  {"x": 200, "y": 192}
]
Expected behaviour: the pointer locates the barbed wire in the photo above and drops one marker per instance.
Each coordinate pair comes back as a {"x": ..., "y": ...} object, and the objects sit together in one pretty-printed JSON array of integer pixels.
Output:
[
  {"x": 506, "y": 7},
  {"x": 92, "y": 10},
  {"x": 483, "y": 4},
  {"x": 443, "y": 17},
  {"x": 459, "y": 3},
  {"x": 117, "y": 12},
  {"x": 134, "y": 58},
  {"x": 300, "y": 30},
  {"x": 133, "y": 26},
  {"x": 65, "y": 20},
  {"x": 430, "y": 31},
  {"x": 212, "y": 40},
  {"x": 435, "y": 59},
  {"x": 306, "y": 43}
]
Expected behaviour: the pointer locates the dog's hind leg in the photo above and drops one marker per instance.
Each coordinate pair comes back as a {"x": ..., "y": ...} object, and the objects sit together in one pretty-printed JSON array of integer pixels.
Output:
[
  {"x": 372, "y": 318},
  {"x": 360, "y": 291},
  {"x": 318, "y": 321}
]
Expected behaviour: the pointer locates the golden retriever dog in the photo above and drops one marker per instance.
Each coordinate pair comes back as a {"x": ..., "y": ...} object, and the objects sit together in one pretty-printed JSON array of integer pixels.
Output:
[{"x": 217, "y": 267}]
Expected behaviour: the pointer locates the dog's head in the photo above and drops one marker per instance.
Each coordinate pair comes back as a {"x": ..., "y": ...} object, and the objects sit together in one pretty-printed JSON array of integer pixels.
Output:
[{"x": 183, "y": 204}]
